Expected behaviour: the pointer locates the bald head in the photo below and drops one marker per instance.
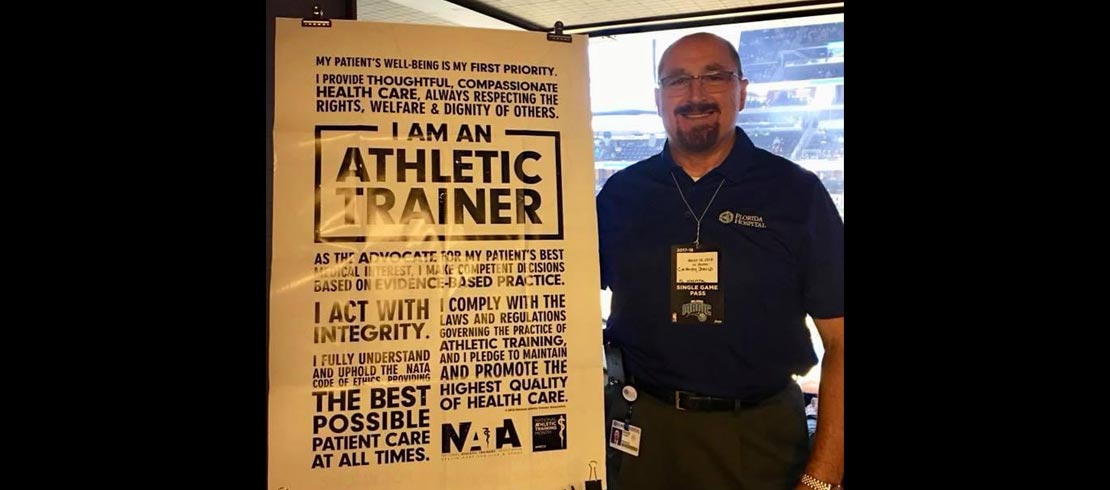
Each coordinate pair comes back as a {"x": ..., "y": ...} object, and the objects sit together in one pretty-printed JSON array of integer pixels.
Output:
[
  {"x": 701, "y": 38},
  {"x": 700, "y": 119}
]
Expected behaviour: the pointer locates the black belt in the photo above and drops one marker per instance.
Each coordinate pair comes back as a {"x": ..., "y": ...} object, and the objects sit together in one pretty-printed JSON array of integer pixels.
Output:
[{"x": 686, "y": 400}]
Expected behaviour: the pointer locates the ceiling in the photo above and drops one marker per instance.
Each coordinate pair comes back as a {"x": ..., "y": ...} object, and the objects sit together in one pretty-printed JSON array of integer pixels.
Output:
[{"x": 594, "y": 17}]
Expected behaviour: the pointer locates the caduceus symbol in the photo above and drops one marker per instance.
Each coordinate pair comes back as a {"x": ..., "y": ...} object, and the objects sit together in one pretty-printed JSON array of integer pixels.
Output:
[
  {"x": 486, "y": 431},
  {"x": 562, "y": 431}
]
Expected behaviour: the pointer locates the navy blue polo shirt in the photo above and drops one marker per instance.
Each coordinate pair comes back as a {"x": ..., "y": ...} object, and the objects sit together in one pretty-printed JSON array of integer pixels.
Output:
[{"x": 781, "y": 257}]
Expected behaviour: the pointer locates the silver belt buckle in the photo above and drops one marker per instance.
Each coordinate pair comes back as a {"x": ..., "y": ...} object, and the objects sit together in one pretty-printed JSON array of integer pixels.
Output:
[{"x": 677, "y": 405}]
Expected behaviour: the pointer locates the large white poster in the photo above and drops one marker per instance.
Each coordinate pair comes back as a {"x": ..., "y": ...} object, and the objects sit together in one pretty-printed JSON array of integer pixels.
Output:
[{"x": 434, "y": 321}]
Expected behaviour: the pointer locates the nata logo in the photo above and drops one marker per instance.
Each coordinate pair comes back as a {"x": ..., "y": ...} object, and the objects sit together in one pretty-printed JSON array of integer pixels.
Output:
[
  {"x": 469, "y": 439},
  {"x": 726, "y": 217}
]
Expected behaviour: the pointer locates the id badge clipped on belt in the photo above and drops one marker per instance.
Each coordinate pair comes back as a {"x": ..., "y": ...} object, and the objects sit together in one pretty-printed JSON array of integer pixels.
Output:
[
  {"x": 625, "y": 437},
  {"x": 696, "y": 296}
]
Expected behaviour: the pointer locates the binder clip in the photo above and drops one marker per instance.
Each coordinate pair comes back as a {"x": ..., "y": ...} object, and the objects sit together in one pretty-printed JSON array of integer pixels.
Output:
[
  {"x": 558, "y": 35},
  {"x": 317, "y": 19},
  {"x": 594, "y": 484}
]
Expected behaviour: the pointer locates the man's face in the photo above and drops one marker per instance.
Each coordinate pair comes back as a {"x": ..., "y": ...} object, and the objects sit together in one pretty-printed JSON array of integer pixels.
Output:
[{"x": 697, "y": 119}]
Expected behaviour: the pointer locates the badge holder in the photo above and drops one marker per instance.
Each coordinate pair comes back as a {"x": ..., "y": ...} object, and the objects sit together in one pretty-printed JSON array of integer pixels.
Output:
[{"x": 696, "y": 296}]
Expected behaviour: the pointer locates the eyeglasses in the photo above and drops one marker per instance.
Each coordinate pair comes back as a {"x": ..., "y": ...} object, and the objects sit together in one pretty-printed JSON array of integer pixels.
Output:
[{"x": 714, "y": 81}]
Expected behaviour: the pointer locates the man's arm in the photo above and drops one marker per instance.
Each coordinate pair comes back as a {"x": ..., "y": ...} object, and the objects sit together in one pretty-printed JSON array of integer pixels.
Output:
[{"x": 826, "y": 461}]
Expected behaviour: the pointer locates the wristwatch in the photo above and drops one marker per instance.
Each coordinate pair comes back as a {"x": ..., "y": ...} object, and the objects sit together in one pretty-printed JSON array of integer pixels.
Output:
[{"x": 816, "y": 484}]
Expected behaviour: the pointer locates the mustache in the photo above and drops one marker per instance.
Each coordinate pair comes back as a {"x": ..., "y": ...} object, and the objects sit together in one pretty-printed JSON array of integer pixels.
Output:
[{"x": 696, "y": 107}]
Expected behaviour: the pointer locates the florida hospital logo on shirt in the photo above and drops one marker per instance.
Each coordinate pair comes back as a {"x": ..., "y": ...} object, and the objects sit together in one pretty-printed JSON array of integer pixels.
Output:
[
  {"x": 701, "y": 309},
  {"x": 729, "y": 217}
]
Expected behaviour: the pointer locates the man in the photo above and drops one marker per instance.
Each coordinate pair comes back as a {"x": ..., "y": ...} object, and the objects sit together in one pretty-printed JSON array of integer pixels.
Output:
[{"x": 715, "y": 251}]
